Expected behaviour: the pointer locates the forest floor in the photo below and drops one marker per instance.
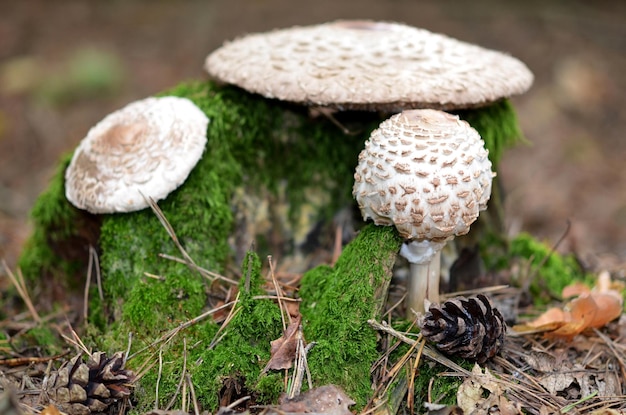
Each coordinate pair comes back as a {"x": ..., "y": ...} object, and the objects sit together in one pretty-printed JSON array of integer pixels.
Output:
[{"x": 64, "y": 65}]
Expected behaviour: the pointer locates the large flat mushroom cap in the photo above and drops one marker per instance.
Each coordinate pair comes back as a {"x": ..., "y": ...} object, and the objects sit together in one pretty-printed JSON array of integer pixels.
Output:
[
  {"x": 148, "y": 147},
  {"x": 368, "y": 65}
]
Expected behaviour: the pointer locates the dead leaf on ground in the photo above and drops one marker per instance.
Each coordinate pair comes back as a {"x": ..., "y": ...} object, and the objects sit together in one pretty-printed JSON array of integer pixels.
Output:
[
  {"x": 470, "y": 396},
  {"x": 327, "y": 400},
  {"x": 438, "y": 409},
  {"x": 283, "y": 349},
  {"x": 607, "y": 411},
  {"x": 557, "y": 382},
  {"x": 593, "y": 308}
]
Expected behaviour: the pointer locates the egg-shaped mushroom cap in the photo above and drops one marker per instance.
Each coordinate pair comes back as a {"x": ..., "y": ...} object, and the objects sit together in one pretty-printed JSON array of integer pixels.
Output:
[
  {"x": 368, "y": 65},
  {"x": 426, "y": 172},
  {"x": 148, "y": 147}
]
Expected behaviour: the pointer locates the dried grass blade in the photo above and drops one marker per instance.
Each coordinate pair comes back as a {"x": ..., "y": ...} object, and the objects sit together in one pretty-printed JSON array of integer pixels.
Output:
[
  {"x": 279, "y": 294},
  {"x": 173, "y": 332},
  {"x": 182, "y": 378},
  {"x": 210, "y": 275},
  {"x": 233, "y": 312},
  {"x": 427, "y": 351},
  {"x": 20, "y": 286},
  {"x": 170, "y": 230},
  {"x": 196, "y": 406}
]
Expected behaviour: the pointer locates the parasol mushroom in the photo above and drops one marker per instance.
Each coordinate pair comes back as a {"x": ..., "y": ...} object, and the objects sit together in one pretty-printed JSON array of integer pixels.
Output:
[
  {"x": 147, "y": 148},
  {"x": 368, "y": 65},
  {"x": 427, "y": 173}
]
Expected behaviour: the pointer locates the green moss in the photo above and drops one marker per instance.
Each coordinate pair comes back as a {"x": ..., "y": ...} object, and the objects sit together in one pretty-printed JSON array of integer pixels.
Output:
[
  {"x": 43, "y": 337},
  {"x": 190, "y": 343},
  {"x": 243, "y": 352},
  {"x": 151, "y": 303},
  {"x": 551, "y": 271},
  {"x": 338, "y": 302},
  {"x": 497, "y": 125},
  {"x": 61, "y": 236},
  {"x": 443, "y": 388},
  {"x": 263, "y": 146},
  {"x": 234, "y": 362}
]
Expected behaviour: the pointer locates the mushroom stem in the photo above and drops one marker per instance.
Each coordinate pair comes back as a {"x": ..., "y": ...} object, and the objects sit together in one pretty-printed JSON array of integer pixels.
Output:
[{"x": 423, "y": 284}]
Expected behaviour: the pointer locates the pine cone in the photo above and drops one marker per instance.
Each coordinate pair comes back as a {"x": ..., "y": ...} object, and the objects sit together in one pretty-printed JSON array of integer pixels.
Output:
[
  {"x": 80, "y": 388},
  {"x": 467, "y": 327}
]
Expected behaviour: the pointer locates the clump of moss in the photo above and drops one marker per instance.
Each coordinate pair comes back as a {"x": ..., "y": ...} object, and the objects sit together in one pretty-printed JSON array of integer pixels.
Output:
[
  {"x": 443, "y": 389},
  {"x": 498, "y": 127},
  {"x": 551, "y": 270},
  {"x": 231, "y": 365},
  {"x": 46, "y": 338},
  {"x": 236, "y": 362},
  {"x": 338, "y": 301},
  {"x": 61, "y": 237}
]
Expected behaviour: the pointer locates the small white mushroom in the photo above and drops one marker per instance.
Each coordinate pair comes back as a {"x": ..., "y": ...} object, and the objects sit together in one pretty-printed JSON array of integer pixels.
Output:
[
  {"x": 427, "y": 173},
  {"x": 361, "y": 64},
  {"x": 147, "y": 148}
]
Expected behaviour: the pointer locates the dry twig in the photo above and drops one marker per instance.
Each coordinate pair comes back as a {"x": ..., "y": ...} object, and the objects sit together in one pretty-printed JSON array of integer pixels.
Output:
[
  {"x": 20, "y": 286},
  {"x": 427, "y": 351}
]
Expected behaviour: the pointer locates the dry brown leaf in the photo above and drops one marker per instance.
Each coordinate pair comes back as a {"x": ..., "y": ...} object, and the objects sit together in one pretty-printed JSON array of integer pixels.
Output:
[
  {"x": 609, "y": 307},
  {"x": 575, "y": 289},
  {"x": 293, "y": 308},
  {"x": 470, "y": 395},
  {"x": 327, "y": 400},
  {"x": 542, "y": 362},
  {"x": 439, "y": 409},
  {"x": 283, "y": 349},
  {"x": 607, "y": 411},
  {"x": 551, "y": 316},
  {"x": 593, "y": 308},
  {"x": 50, "y": 410},
  {"x": 557, "y": 382}
]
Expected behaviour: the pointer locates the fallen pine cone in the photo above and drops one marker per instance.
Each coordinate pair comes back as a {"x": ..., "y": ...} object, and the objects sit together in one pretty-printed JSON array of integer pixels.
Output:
[
  {"x": 467, "y": 327},
  {"x": 79, "y": 388}
]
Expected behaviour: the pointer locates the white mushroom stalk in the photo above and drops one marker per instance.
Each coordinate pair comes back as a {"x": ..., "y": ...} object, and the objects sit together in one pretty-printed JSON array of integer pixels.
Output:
[
  {"x": 147, "y": 148},
  {"x": 427, "y": 173}
]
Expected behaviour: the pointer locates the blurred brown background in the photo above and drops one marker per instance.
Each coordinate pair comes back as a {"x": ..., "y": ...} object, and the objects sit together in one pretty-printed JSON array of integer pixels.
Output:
[{"x": 65, "y": 64}]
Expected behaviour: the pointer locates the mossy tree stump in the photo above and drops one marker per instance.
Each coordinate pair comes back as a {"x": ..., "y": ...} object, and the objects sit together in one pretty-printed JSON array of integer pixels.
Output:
[{"x": 258, "y": 150}]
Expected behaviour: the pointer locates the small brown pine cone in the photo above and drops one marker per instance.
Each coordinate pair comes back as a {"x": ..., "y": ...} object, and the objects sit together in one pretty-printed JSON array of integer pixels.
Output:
[
  {"x": 80, "y": 388},
  {"x": 467, "y": 327}
]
